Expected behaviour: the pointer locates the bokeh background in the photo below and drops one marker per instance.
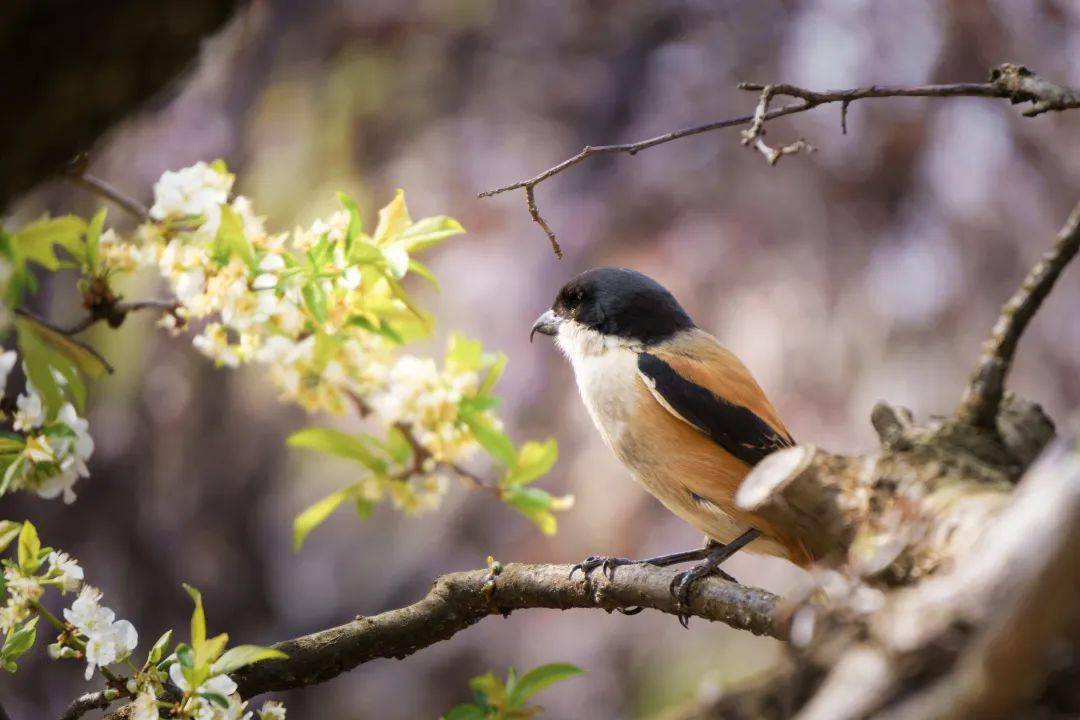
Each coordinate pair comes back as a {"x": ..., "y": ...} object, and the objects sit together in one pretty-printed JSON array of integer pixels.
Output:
[{"x": 869, "y": 270}]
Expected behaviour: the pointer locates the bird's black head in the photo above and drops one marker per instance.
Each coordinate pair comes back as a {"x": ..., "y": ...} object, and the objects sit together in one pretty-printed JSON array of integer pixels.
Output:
[{"x": 619, "y": 302}]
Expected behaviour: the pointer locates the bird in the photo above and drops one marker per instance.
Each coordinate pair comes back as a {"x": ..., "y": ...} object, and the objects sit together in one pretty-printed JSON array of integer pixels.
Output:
[{"x": 677, "y": 408}]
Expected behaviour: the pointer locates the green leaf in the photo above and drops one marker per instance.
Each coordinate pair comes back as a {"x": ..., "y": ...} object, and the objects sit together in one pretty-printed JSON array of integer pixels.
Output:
[
  {"x": 13, "y": 469},
  {"x": 463, "y": 354},
  {"x": 364, "y": 508},
  {"x": 315, "y": 299},
  {"x": 539, "y": 678},
  {"x": 11, "y": 442},
  {"x": 393, "y": 220},
  {"x": 44, "y": 350},
  {"x": 219, "y": 167},
  {"x": 465, "y": 711},
  {"x": 534, "y": 504},
  {"x": 185, "y": 656},
  {"x": 493, "y": 375},
  {"x": 9, "y": 530},
  {"x": 423, "y": 271},
  {"x": 355, "y": 223},
  {"x": 29, "y": 548},
  {"x": 380, "y": 328},
  {"x": 35, "y": 242},
  {"x": 215, "y": 698},
  {"x": 492, "y": 440},
  {"x": 316, "y": 514},
  {"x": 430, "y": 231},
  {"x": 243, "y": 655},
  {"x": 19, "y": 641},
  {"x": 213, "y": 648},
  {"x": 400, "y": 294},
  {"x": 398, "y": 446},
  {"x": 158, "y": 650},
  {"x": 231, "y": 240},
  {"x": 93, "y": 239},
  {"x": 335, "y": 442},
  {"x": 198, "y": 624},
  {"x": 533, "y": 460},
  {"x": 489, "y": 690}
]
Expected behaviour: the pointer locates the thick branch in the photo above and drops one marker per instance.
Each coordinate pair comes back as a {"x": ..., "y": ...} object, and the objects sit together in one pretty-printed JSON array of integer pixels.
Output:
[
  {"x": 460, "y": 600},
  {"x": 982, "y": 398},
  {"x": 84, "y": 704},
  {"x": 1012, "y": 82}
]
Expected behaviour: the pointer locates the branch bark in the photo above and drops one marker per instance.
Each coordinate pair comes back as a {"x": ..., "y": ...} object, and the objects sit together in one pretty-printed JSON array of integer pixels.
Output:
[
  {"x": 84, "y": 704},
  {"x": 460, "y": 600},
  {"x": 1009, "y": 81}
]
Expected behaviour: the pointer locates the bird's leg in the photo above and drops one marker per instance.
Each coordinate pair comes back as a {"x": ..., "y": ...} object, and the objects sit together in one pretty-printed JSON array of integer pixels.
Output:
[
  {"x": 714, "y": 556},
  {"x": 608, "y": 564}
]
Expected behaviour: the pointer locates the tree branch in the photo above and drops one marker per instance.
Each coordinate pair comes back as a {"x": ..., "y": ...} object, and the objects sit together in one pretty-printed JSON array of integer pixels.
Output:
[
  {"x": 77, "y": 174},
  {"x": 982, "y": 397},
  {"x": 460, "y": 600},
  {"x": 84, "y": 704},
  {"x": 1008, "y": 81}
]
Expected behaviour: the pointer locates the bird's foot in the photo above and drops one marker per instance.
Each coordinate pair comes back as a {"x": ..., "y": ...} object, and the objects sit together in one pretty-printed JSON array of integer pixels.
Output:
[
  {"x": 715, "y": 555},
  {"x": 606, "y": 564},
  {"x": 682, "y": 582}
]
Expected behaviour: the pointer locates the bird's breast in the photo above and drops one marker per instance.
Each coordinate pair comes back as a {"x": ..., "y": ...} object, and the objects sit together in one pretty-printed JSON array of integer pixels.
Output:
[{"x": 607, "y": 382}]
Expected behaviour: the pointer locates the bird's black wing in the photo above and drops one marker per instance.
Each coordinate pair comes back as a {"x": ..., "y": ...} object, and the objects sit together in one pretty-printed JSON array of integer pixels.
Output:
[{"x": 736, "y": 428}]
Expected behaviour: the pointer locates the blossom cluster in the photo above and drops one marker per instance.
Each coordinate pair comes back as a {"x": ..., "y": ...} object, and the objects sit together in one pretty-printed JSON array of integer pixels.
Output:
[
  {"x": 91, "y": 632},
  {"x": 320, "y": 308},
  {"x": 43, "y": 455}
]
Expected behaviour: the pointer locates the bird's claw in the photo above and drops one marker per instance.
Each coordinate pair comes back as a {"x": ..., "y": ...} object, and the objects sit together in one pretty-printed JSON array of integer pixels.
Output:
[
  {"x": 606, "y": 564},
  {"x": 682, "y": 582}
]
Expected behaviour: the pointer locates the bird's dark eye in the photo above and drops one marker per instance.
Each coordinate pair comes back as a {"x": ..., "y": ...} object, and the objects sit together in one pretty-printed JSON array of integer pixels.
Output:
[{"x": 570, "y": 300}]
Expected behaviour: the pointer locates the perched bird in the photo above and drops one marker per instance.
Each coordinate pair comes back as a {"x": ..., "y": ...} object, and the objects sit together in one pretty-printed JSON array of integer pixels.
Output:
[{"x": 678, "y": 409}]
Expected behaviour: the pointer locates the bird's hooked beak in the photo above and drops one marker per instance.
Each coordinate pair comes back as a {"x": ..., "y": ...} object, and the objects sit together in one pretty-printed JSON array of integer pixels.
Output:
[{"x": 546, "y": 324}]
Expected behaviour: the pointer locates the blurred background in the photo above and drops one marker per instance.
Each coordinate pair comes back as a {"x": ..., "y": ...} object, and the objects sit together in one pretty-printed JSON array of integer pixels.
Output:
[{"x": 869, "y": 270}]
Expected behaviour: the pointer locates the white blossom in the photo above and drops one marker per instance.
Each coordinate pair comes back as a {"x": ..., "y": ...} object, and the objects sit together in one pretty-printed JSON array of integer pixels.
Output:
[
  {"x": 7, "y": 362},
  {"x": 65, "y": 569},
  {"x": 29, "y": 412},
  {"x": 107, "y": 640},
  {"x": 272, "y": 710},
  {"x": 195, "y": 190}
]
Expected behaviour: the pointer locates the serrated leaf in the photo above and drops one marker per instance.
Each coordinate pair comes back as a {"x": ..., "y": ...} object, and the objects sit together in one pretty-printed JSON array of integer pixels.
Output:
[
  {"x": 29, "y": 548},
  {"x": 339, "y": 444},
  {"x": 534, "y": 459},
  {"x": 495, "y": 442},
  {"x": 430, "y": 231},
  {"x": 316, "y": 514},
  {"x": 35, "y": 242},
  {"x": 243, "y": 655},
  {"x": 539, "y": 678},
  {"x": 9, "y": 530}
]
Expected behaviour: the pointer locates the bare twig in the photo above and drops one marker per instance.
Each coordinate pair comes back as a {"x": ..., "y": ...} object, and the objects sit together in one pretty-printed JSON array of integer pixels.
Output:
[
  {"x": 982, "y": 398},
  {"x": 755, "y": 134},
  {"x": 460, "y": 600},
  {"x": 38, "y": 320},
  {"x": 77, "y": 174},
  {"x": 1009, "y": 81},
  {"x": 116, "y": 313},
  {"x": 84, "y": 704}
]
